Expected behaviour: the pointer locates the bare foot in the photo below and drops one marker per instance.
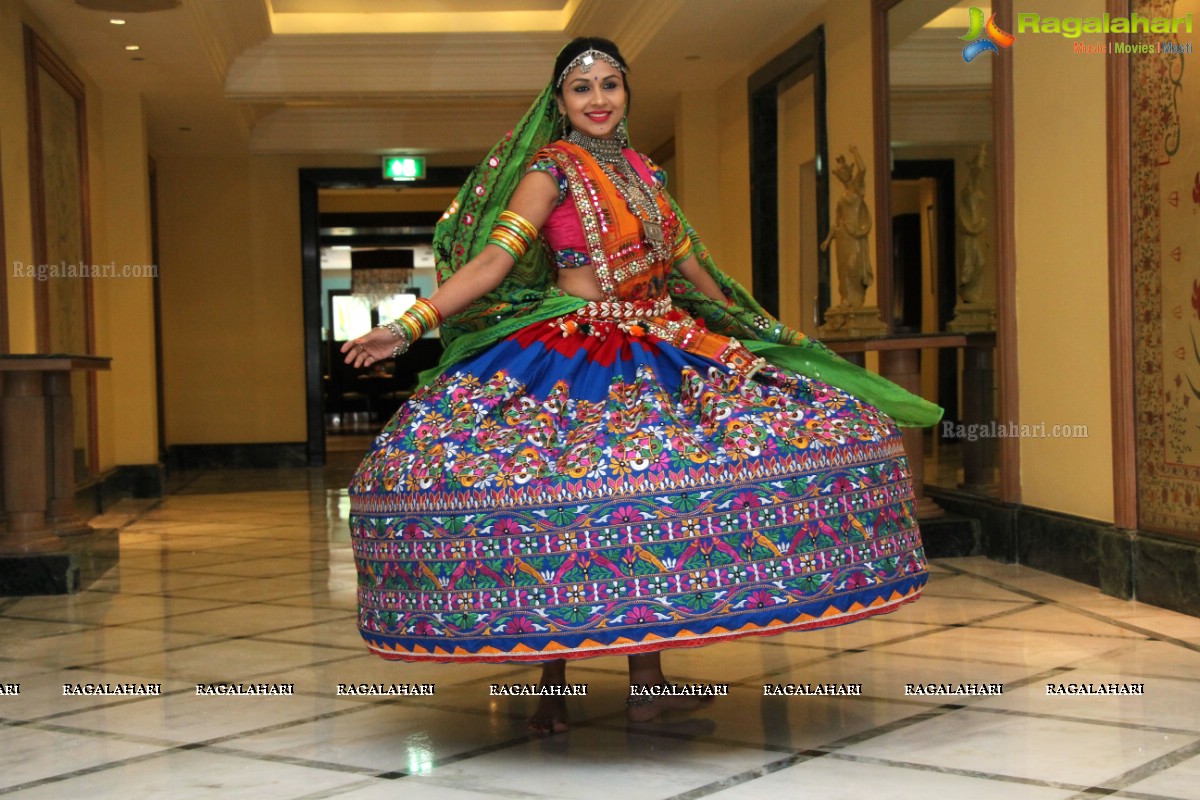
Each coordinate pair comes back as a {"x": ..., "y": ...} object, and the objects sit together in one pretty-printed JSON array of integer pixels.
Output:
[
  {"x": 646, "y": 670},
  {"x": 644, "y": 708},
  {"x": 551, "y": 714}
]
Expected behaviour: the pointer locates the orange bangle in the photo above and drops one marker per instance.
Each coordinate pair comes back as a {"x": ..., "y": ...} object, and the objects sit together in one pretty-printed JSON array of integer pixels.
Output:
[{"x": 422, "y": 317}]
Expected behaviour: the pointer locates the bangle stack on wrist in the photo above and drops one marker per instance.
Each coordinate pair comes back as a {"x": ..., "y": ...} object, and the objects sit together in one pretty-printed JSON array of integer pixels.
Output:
[{"x": 422, "y": 317}]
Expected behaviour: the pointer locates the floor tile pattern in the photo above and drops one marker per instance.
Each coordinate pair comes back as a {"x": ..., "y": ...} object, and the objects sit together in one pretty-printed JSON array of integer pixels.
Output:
[{"x": 247, "y": 578}]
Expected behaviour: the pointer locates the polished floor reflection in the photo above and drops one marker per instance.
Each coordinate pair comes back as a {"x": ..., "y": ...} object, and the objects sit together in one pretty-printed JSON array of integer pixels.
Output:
[{"x": 246, "y": 578}]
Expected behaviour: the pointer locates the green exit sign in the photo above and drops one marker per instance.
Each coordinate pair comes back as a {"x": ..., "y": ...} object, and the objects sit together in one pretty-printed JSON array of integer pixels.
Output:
[{"x": 403, "y": 168}]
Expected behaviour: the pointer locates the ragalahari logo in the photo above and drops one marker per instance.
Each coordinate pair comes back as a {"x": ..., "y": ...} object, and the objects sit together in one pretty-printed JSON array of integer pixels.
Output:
[{"x": 981, "y": 37}]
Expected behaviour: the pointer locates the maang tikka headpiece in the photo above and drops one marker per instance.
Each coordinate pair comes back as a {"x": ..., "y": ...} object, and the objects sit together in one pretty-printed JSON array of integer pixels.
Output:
[{"x": 584, "y": 61}]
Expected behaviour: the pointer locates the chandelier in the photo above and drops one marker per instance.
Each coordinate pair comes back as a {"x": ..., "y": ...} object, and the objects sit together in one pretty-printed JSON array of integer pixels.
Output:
[{"x": 380, "y": 273}]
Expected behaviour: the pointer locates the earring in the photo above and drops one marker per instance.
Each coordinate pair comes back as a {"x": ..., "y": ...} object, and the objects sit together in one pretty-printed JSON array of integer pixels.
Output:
[{"x": 623, "y": 132}]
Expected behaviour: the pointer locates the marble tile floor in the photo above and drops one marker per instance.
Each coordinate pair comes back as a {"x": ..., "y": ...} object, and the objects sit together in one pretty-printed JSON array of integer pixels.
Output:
[{"x": 247, "y": 577}]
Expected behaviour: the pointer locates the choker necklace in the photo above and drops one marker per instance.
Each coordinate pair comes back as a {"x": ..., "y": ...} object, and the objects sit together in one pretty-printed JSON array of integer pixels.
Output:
[{"x": 603, "y": 150}]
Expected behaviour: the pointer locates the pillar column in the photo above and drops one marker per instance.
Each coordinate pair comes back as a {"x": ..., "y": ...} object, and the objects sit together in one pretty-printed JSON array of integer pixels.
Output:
[{"x": 23, "y": 449}]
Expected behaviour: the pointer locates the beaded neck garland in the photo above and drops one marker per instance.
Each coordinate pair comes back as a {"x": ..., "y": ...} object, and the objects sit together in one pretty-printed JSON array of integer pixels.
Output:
[{"x": 603, "y": 150}]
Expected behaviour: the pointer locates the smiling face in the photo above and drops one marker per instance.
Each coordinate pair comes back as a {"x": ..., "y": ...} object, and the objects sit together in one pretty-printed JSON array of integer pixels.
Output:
[{"x": 594, "y": 101}]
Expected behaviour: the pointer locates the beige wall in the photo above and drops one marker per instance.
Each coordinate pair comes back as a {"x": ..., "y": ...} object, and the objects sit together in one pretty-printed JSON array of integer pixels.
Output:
[
  {"x": 731, "y": 247},
  {"x": 697, "y": 153},
  {"x": 1062, "y": 269},
  {"x": 120, "y": 234},
  {"x": 120, "y": 189},
  {"x": 797, "y": 146},
  {"x": 233, "y": 322}
]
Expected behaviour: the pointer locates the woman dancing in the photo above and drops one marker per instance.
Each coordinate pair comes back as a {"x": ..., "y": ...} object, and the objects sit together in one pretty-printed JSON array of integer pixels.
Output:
[{"x": 620, "y": 452}]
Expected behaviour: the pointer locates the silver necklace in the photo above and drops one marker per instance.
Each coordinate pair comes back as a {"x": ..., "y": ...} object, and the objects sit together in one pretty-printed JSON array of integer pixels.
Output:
[
  {"x": 639, "y": 197},
  {"x": 603, "y": 150}
]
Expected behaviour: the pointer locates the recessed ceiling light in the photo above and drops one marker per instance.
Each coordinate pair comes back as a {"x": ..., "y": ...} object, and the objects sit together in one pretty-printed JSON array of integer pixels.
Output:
[
  {"x": 132, "y": 47},
  {"x": 117, "y": 21},
  {"x": 137, "y": 58},
  {"x": 185, "y": 129}
]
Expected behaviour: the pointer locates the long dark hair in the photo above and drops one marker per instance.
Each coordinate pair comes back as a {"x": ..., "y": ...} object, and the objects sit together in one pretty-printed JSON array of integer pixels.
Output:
[{"x": 576, "y": 46}]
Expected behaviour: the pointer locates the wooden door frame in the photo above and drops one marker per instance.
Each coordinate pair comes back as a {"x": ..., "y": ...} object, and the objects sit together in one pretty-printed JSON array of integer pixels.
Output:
[
  {"x": 1008, "y": 394},
  {"x": 38, "y": 54},
  {"x": 1120, "y": 277}
]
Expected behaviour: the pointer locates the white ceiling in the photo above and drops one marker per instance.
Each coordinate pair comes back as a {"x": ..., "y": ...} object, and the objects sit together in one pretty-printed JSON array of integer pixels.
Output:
[{"x": 359, "y": 81}]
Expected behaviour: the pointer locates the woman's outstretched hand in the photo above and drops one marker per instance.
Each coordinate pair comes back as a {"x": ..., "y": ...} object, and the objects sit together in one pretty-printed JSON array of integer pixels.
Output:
[{"x": 375, "y": 346}]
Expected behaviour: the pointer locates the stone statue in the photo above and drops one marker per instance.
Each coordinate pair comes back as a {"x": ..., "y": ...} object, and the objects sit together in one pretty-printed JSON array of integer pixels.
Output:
[
  {"x": 971, "y": 224},
  {"x": 851, "y": 226}
]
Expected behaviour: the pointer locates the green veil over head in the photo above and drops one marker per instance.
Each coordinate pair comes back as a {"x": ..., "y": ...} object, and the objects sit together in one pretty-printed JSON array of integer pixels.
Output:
[{"x": 463, "y": 230}]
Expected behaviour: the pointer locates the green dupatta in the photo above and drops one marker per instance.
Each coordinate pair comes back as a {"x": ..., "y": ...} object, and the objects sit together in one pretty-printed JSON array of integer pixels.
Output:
[{"x": 529, "y": 294}]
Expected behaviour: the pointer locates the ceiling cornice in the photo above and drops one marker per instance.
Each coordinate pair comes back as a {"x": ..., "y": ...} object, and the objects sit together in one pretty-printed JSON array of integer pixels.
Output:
[
  {"x": 941, "y": 116},
  {"x": 346, "y": 66},
  {"x": 341, "y": 22},
  {"x": 227, "y": 29},
  {"x": 642, "y": 24},
  {"x": 224, "y": 30},
  {"x": 932, "y": 57},
  {"x": 430, "y": 128},
  {"x": 587, "y": 18},
  {"x": 633, "y": 29}
]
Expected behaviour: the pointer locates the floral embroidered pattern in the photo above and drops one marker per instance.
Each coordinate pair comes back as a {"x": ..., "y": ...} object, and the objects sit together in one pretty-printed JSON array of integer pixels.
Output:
[
  {"x": 571, "y": 259},
  {"x": 508, "y": 514},
  {"x": 552, "y": 169}
]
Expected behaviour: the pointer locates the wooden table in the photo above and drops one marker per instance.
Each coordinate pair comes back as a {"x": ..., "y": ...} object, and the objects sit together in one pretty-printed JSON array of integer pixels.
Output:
[{"x": 37, "y": 442}]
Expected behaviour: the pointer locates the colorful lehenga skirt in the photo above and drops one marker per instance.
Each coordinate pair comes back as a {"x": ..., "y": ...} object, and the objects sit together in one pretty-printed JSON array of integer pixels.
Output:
[{"x": 561, "y": 495}]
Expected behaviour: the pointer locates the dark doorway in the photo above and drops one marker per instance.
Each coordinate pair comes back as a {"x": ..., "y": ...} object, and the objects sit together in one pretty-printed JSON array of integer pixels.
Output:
[
  {"x": 366, "y": 229},
  {"x": 802, "y": 60}
]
